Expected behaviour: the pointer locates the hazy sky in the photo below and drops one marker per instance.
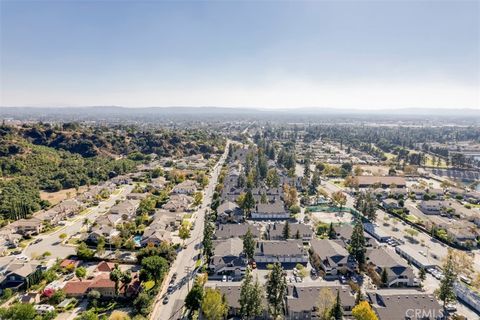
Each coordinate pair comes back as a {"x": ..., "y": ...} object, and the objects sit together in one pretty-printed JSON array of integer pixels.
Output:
[{"x": 376, "y": 54}]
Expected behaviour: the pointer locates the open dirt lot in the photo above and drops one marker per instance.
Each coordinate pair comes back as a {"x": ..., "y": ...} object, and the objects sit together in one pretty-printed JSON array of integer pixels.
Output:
[{"x": 56, "y": 197}]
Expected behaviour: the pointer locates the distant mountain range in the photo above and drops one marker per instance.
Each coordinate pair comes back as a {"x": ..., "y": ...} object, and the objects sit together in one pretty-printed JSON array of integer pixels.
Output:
[{"x": 149, "y": 114}]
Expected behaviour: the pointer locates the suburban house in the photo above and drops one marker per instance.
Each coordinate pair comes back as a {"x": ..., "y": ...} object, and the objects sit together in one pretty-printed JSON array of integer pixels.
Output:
[
  {"x": 186, "y": 187},
  {"x": 284, "y": 252},
  {"x": 432, "y": 207},
  {"x": 159, "y": 183},
  {"x": 472, "y": 197},
  {"x": 398, "y": 193},
  {"x": 229, "y": 212},
  {"x": 381, "y": 181},
  {"x": 402, "y": 304},
  {"x": 136, "y": 196},
  {"x": 303, "y": 231},
  {"x": 27, "y": 227},
  {"x": 380, "y": 193},
  {"x": 101, "y": 283},
  {"x": 418, "y": 193},
  {"x": 9, "y": 239},
  {"x": 334, "y": 257},
  {"x": 270, "y": 211},
  {"x": 126, "y": 208},
  {"x": 231, "y": 292},
  {"x": 60, "y": 212},
  {"x": 398, "y": 271},
  {"x": 164, "y": 222},
  {"x": 232, "y": 230},
  {"x": 228, "y": 259},
  {"x": 270, "y": 194},
  {"x": 456, "y": 192},
  {"x": 344, "y": 233},
  {"x": 302, "y": 300},
  {"x": 102, "y": 230},
  {"x": 435, "y": 193},
  {"x": 178, "y": 203},
  {"x": 463, "y": 235},
  {"x": 390, "y": 204},
  {"x": 376, "y": 232},
  {"x": 20, "y": 275}
]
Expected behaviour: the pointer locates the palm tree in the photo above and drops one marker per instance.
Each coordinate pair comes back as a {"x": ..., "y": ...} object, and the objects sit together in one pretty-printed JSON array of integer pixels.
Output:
[
  {"x": 115, "y": 275},
  {"x": 126, "y": 279}
]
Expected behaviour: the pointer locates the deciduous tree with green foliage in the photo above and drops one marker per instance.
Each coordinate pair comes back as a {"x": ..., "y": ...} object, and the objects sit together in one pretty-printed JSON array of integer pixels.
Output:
[
  {"x": 339, "y": 198},
  {"x": 81, "y": 273},
  {"x": 155, "y": 266},
  {"x": 18, "y": 311},
  {"x": 198, "y": 198},
  {"x": 193, "y": 300},
  {"x": 214, "y": 305},
  {"x": 84, "y": 252},
  {"x": 184, "y": 231},
  {"x": 88, "y": 315}
]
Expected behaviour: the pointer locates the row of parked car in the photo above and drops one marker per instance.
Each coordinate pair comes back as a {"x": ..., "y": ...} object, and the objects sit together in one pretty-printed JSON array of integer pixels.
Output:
[
  {"x": 395, "y": 242},
  {"x": 437, "y": 274},
  {"x": 170, "y": 289}
]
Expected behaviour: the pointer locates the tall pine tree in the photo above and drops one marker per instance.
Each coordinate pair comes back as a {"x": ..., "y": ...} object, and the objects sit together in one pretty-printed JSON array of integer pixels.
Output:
[
  {"x": 276, "y": 291},
  {"x": 358, "y": 243}
]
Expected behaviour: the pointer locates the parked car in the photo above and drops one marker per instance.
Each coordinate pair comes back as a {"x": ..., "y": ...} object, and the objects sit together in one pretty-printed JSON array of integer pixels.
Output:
[
  {"x": 466, "y": 280},
  {"x": 224, "y": 278},
  {"x": 165, "y": 300},
  {"x": 451, "y": 307},
  {"x": 23, "y": 258}
]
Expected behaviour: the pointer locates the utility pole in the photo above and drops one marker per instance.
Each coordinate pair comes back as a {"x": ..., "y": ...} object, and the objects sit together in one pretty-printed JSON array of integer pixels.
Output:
[{"x": 187, "y": 270}]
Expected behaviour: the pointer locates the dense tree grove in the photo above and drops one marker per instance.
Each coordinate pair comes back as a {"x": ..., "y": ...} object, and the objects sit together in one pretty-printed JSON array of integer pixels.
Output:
[{"x": 48, "y": 157}]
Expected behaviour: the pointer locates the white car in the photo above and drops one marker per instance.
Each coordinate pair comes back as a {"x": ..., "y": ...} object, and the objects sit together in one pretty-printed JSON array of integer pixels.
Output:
[{"x": 224, "y": 279}]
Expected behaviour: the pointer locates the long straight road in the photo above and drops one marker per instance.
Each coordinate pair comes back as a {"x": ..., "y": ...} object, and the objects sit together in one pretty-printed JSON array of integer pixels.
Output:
[{"x": 185, "y": 262}]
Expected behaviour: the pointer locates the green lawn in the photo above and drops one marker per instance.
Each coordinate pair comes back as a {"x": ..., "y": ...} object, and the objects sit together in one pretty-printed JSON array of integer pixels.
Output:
[
  {"x": 148, "y": 285},
  {"x": 411, "y": 218}
]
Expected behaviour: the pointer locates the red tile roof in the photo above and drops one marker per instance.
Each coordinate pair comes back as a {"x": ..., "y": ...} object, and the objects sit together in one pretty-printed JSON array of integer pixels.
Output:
[
  {"x": 105, "y": 266},
  {"x": 76, "y": 287}
]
